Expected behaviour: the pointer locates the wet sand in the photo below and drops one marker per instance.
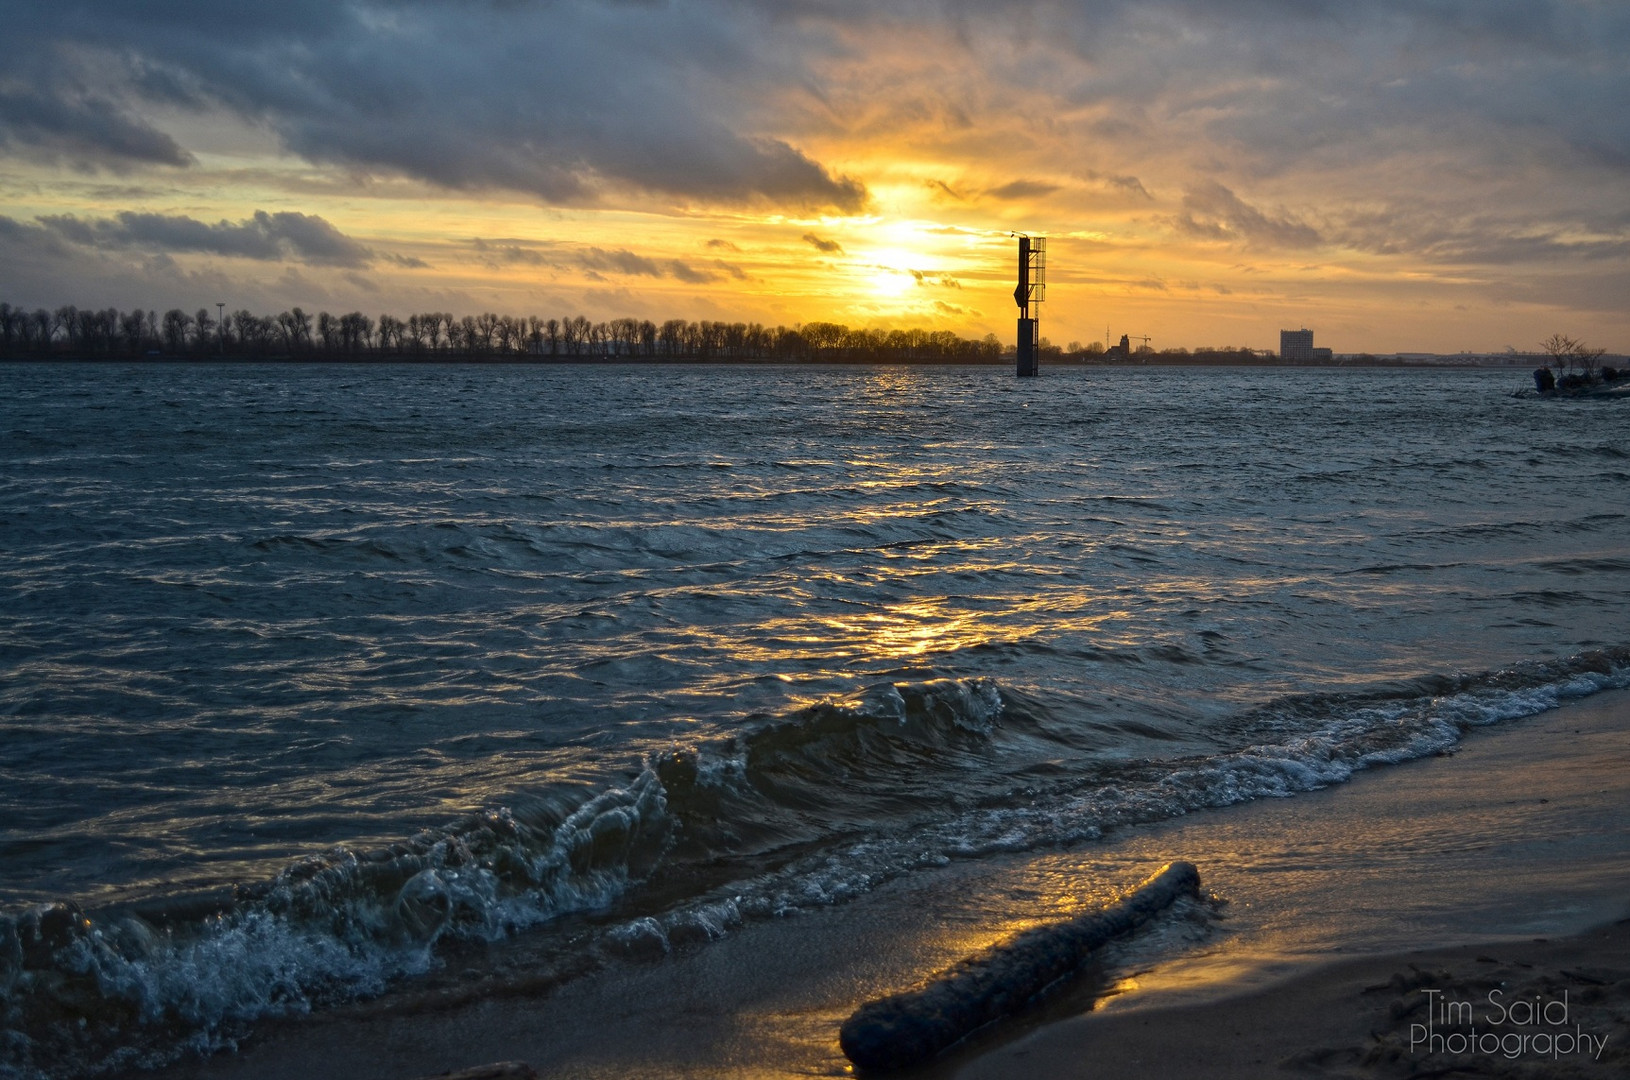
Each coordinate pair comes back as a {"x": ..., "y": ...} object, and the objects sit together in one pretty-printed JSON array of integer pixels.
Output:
[
  {"x": 1335, "y": 912},
  {"x": 1545, "y": 1008}
]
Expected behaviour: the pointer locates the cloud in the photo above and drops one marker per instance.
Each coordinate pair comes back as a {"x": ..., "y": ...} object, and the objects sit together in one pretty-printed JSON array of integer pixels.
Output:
[
  {"x": 269, "y": 237},
  {"x": 1129, "y": 184},
  {"x": 597, "y": 261},
  {"x": 497, "y": 252},
  {"x": 623, "y": 261},
  {"x": 39, "y": 267},
  {"x": 1023, "y": 189},
  {"x": 1212, "y": 212},
  {"x": 1361, "y": 130},
  {"x": 85, "y": 127},
  {"x": 722, "y": 245},
  {"x": 1451, "y": 231},
  {"x": 571, "y": 102},
  {"x": 683, "y": 272},
  {"x": 827, "y": 247}
]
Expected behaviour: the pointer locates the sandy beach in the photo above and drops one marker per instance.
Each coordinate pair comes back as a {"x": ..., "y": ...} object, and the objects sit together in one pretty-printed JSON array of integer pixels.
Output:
[
  {"x": 1501, "y": 869},
  {"x": 1541, "y": 1008}
]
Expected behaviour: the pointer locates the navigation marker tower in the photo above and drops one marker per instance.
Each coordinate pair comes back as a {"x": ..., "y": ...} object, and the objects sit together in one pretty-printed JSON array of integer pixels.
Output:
[{"x": 1032, "y": 290}]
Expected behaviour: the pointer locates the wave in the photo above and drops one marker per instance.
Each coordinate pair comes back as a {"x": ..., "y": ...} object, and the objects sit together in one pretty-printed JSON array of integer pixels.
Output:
[{"x": 797, "y": 811}]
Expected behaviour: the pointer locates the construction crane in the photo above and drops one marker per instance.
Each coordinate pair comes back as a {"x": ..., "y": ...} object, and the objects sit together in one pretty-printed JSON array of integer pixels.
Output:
[{"x": 1124, "y": 349}]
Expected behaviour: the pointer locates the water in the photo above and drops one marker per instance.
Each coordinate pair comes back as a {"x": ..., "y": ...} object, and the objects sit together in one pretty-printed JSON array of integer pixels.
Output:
[{"x": 310, "y": 673}]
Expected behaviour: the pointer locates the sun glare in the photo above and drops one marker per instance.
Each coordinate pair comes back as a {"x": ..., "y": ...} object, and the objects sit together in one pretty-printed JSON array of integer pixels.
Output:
[
  {"x": 889, "y": 283},
  {"x": 896, "y": 271}
]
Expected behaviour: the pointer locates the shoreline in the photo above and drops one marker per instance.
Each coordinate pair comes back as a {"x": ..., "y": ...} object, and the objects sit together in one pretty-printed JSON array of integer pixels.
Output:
[
  {"x": 1004, "y": 365},
  {"x": 1542, "y": 1008},
  {"x": 1518, "y": 834}
]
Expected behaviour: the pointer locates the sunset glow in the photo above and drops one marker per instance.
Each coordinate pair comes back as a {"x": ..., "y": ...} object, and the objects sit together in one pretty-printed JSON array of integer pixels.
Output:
[{"x": 1399, "y": 177}]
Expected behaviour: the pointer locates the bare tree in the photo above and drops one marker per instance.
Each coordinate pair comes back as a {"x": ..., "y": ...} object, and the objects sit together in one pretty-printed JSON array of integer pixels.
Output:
[
  {"x": 1589, "y": 360},
  {"x": 1559, "y": 353},
  {"x": 300, "y": 323},
  {"x": 203, "y": 323},
  {"x": 90, "y": 333},
  {"x": 1563, "y": 354},
  {"x": 133, "y": 328},
  {"x": 44, "y": 324}
]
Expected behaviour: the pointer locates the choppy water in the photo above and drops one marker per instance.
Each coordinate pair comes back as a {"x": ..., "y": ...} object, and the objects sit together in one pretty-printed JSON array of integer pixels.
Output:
[{"x": 306, "y": 672}]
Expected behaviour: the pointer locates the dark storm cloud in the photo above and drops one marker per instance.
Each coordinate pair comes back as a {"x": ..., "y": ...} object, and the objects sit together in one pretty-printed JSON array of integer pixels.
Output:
[
  {"x": 20, "y": 236},
  {"x": 267, "y": 237},
  {"x": 63, "y": 121},
  {"x": 566, "y": 101},
  {"x": 574, "y": 101}
]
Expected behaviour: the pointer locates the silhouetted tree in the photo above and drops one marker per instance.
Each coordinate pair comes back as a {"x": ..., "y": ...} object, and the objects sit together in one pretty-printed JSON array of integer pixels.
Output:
[
  {"x": 203, "y": 327},
  {"x": 1560, "y": 351},
  {"x": 1565, "y": 353},
  {"x": 90, "y": 333},
  {"x": 41, "y": 323},
  {"x": 133, "y": 331},
  {"x": 390, "y": 333}
]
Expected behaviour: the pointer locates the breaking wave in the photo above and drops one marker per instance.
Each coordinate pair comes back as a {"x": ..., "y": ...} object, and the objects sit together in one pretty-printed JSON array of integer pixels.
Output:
[{"x": 796, "y": 812}]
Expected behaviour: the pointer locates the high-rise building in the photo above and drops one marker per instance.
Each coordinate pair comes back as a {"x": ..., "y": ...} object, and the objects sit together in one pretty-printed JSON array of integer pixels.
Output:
[{"x": 1296, "y": 345}]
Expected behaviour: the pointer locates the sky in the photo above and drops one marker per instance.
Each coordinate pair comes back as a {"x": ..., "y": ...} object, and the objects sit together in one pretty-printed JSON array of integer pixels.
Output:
[{"x": 1396, "y": 175}]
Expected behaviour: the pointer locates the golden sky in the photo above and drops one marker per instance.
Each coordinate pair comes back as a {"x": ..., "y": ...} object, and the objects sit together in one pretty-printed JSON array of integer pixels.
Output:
[{"x": 1436, "y": 175}]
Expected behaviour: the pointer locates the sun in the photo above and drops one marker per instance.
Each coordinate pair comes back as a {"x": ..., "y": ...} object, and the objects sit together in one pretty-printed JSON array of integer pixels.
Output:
[
  {"x": 890, "y": 284},
  {"x": 894, "y": 272}
]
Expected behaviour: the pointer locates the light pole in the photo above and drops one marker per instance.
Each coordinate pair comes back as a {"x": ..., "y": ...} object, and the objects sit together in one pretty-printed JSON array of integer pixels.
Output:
[{"x": 220, "y": 325}]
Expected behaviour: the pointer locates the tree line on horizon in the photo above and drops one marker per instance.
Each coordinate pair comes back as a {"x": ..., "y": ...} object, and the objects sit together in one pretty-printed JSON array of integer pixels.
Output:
[
  {"x": 89, "y": 333},
  {"x": 98, "y": 334}
]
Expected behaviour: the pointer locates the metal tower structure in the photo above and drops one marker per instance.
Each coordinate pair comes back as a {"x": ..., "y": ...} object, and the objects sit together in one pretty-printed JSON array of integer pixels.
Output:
[{"x": 1031, "y": 291}]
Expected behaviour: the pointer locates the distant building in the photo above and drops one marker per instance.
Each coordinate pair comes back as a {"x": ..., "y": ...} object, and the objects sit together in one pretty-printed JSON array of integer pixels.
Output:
[{"x": 1296, "y": 346}]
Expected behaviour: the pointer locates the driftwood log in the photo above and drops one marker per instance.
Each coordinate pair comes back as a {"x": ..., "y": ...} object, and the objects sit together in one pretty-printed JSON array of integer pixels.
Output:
[{"x": 906, "y": 1029}]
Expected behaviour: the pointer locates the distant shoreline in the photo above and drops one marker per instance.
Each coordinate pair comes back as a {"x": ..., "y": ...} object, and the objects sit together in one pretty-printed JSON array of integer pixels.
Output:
[{"x": 714, "y": 361}]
